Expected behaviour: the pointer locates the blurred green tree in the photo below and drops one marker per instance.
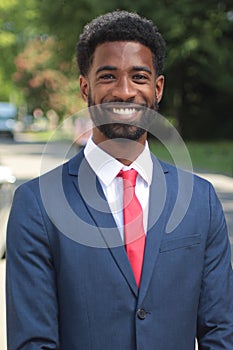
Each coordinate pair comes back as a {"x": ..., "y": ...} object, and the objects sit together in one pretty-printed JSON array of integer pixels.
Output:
[
  {"x": 43, "y": 79},
  {"x": 199, "y": 68},
  {"x": 16, "y": 26}
]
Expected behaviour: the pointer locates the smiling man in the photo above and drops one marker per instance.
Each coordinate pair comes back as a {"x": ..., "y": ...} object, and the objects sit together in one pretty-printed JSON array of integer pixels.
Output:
[
  {"x": 122, "y": 72},
  {"x": 90, "y": 262}
]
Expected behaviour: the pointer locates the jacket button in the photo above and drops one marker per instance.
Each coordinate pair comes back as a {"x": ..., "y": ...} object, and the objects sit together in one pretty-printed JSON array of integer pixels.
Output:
[{"x": 141, "y": 314}]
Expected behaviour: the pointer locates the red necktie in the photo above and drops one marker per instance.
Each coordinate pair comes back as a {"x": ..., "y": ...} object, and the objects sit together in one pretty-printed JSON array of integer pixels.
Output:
[{"x": 133, "y": 223}]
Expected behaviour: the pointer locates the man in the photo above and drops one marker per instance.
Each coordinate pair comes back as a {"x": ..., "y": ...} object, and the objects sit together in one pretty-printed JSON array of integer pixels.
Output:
[{"x": 84, "y": 274}]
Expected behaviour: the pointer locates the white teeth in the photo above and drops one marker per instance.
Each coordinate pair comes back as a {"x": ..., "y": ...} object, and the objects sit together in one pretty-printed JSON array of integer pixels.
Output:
[{"x": 124, "y": 111}]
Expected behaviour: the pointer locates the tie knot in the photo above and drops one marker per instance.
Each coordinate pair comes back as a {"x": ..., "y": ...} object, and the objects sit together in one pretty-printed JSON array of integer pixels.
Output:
[{"x": 129, "y": 176}]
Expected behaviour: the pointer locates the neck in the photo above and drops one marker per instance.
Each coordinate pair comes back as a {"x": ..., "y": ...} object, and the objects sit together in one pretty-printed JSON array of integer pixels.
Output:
[{"x": 124, "y": 150}]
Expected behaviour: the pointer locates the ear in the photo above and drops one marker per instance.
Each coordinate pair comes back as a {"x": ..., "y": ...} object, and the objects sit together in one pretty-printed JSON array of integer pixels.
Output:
[
  {"x": 84, "y": 87},
  {"x": 159, "y": 84}
]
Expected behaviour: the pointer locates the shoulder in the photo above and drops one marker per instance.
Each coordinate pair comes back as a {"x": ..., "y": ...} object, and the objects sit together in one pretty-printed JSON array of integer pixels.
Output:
[
  {"x": 182, "y": 186},
  {"x": 177, "y": 174},
  {"x": 71, "y": 167}
]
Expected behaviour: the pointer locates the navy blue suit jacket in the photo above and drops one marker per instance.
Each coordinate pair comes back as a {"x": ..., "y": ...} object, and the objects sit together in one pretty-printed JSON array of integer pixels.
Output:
[{"x": 69, "y": 282}]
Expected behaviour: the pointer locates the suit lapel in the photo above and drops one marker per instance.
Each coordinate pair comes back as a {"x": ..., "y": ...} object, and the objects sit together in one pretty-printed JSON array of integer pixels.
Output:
[
  {"x": 95, "y": 202},
  {"x": 156, "y": 225},
  {"x": 97, "y": 207}
]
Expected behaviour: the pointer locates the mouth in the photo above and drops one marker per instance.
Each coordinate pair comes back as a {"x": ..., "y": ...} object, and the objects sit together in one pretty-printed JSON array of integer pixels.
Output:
[{"x": 122, "y": 112}]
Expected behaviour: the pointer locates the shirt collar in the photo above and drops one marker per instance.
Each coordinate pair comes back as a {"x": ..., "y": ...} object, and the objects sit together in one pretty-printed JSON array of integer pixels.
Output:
[{"x": 106, "y": 167}]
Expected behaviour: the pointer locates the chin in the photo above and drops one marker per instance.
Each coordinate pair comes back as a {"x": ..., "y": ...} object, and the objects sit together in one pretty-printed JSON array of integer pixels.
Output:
[{"x": 122, "y": 131}]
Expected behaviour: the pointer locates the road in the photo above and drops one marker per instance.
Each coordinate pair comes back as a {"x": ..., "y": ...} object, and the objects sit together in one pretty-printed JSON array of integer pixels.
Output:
[{"x": 29, "y": 159}]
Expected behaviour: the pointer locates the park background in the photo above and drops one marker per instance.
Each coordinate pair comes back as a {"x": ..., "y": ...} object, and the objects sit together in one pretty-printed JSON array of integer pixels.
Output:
[
  {"x": 38, "y": 68},
  {"x": 38, "y": 73}
]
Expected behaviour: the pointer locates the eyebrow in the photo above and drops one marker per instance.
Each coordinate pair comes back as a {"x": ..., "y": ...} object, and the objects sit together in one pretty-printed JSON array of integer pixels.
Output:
[
  {"x": 102, "y": 68},
  {"x": 135, "y": 68},
  {"x": 142, "y": 68}
]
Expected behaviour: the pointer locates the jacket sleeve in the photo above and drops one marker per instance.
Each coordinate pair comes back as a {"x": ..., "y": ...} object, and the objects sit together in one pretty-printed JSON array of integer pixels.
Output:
[
  {"x": 32, "y": 310},
  {"x": 215, "y": 314}
]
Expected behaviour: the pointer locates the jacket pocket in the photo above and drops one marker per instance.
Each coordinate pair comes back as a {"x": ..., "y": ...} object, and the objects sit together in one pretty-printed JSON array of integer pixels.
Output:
[{"x": 181, "y": 242}]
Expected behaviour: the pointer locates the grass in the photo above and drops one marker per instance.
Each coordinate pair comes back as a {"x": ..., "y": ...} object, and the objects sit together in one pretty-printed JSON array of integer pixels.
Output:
[
  {"x": 45, "y": 136},
  {"x": 213, "y": 157}
]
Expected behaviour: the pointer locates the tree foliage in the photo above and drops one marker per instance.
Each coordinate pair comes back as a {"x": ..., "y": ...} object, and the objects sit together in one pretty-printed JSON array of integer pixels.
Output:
[
  {"x": 199, "y": 67},
  {"x": 16, "y": 26},
  {"x": 43, "y": 80}
]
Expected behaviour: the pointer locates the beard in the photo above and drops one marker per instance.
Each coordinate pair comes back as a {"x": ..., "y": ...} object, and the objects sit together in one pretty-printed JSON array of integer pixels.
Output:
[{"x": 113, "y": 129}]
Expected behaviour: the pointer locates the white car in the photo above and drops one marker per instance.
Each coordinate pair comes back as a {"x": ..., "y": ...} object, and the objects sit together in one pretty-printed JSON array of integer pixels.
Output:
[{"x": 7, "y": 181}]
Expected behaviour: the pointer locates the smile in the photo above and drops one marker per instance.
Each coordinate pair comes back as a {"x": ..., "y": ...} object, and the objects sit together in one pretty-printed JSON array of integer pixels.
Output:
[{"x": 124, "y": 111}]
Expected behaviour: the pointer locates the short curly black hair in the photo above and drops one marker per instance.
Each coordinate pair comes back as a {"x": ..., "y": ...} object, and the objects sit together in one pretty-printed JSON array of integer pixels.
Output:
[{"x": 119, "y": 26}]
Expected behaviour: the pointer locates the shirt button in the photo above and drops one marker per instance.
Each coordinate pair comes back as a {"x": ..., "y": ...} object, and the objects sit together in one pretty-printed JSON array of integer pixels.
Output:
[{"x": 141, "y": 314}]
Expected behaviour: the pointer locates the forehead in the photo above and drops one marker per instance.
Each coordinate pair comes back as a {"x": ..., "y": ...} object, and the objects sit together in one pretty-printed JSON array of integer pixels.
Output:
[{"x": 122, "y": 55}]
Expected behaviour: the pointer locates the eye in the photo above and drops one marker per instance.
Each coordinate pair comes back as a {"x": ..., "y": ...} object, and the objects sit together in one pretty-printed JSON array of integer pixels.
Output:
[
  {"x": 106, "y": 76},
  {"x": 140, "y": 78}
]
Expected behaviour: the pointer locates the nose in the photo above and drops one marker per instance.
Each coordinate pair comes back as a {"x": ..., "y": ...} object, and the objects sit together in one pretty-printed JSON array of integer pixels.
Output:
[{"x": 124, "y": 89}]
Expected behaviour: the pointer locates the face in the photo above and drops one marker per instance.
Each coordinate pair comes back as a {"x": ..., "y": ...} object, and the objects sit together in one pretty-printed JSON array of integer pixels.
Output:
[{"x": 122, "y": 84}]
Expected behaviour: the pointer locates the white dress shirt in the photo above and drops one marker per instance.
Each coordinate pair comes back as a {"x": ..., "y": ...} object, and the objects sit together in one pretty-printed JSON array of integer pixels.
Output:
[{"x": 107, "y": 168}]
